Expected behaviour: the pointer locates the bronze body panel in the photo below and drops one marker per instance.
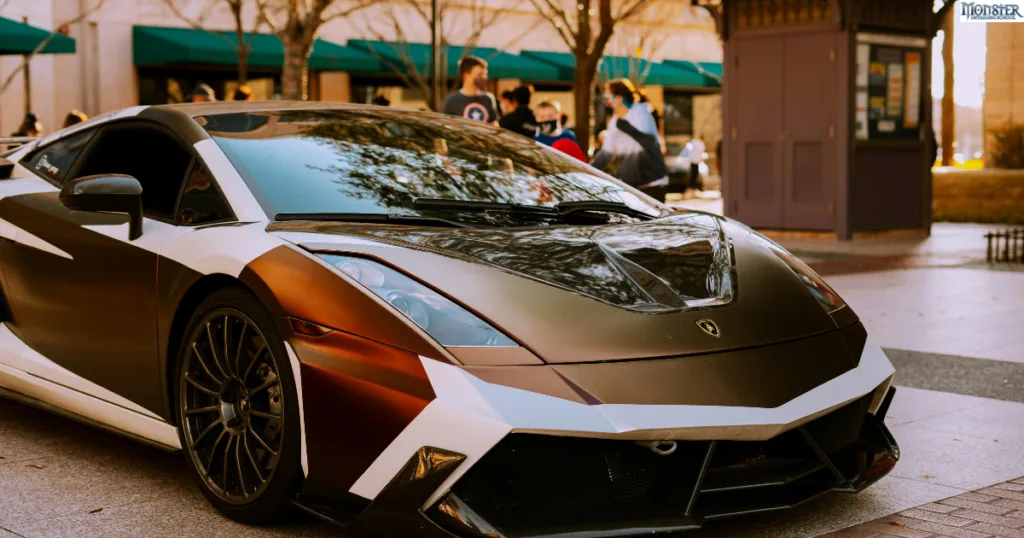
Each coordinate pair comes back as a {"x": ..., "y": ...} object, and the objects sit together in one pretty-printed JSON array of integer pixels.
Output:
[
  {"x": 358, "y": 396},
  {"x": 291, "y": 284},
  {"x": 94, "y": 315}
]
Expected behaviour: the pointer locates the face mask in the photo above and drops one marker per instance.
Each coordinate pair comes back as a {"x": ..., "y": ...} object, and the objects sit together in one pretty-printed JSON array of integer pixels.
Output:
[
  {"x": 480, "y": 83},
  {"x": 548, "y": 127}
]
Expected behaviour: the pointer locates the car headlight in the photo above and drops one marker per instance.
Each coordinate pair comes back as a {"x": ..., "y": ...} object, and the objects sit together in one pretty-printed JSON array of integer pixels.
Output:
[
  {"x": 822, "y": 292},
  {"x": 440, "y": 317}
]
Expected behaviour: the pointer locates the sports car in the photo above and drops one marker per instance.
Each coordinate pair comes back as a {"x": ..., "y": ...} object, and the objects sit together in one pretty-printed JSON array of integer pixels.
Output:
[{"x": 419, "y": 325}]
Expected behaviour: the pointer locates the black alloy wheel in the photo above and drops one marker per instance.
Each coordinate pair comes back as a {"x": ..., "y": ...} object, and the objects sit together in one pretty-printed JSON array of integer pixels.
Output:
[{"x": 235, "y": 408}]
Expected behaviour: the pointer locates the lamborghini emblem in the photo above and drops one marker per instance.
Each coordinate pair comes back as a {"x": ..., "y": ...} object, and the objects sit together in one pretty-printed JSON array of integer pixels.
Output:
[{"x": 709, "y": 327}]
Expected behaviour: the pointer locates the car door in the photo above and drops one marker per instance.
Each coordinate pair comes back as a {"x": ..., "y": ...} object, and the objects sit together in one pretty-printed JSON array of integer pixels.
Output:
[{"x": 83, "y": 296}]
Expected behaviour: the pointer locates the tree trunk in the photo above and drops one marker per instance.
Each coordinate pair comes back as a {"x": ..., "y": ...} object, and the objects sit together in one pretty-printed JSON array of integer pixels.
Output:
[
  {"x": 583, "y": 87},
  {"x": 948, "y": 106},
  {"x": 243, "y": 65},
  {"x": 295, "y": 75}
]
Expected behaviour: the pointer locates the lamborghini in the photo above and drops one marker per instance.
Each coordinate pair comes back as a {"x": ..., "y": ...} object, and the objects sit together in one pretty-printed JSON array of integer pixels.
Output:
[{"x": 419, "y": 325}]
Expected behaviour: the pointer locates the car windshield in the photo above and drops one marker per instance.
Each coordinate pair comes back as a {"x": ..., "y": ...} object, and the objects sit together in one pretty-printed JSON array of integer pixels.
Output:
[{"x": 358, "y": 161}]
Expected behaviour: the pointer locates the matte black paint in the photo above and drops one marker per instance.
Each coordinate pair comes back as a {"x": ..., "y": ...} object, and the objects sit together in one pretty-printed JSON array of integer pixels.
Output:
[
  {"x": 113, "y": 193},
  {"x": 766, "y": 376},
  {"x": 771, "y": 304}
]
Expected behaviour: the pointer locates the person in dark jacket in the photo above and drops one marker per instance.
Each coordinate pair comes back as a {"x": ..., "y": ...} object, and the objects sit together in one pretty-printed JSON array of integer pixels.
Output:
[
  {"x": 521, "y": 119},
  {"x": 631, "y": 150}
]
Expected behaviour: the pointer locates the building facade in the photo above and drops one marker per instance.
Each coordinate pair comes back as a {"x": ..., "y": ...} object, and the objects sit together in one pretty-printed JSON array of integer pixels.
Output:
[
  {"x": 1004, "y": 78},
  {"x": 109, "y": 71}
]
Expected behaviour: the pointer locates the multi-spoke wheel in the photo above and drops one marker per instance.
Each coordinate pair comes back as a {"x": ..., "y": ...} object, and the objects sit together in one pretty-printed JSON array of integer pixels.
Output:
[{"x": 236, "y": 401}]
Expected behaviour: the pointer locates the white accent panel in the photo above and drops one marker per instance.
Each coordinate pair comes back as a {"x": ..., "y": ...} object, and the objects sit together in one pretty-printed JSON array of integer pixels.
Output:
[
  {"x": 79, "y": 396},
  {"x": 217, "y": 249},
  {"x": 18, "y": 235},
  {"x": 11, "y": 348},
  {"x": 294, "y": 361},
  {"x": 154, "y": 233},
  {"x": 470, "y": 416},
  {"x": 242, "y": 202},
  {"x": 439, "y": 425},
  {"x": 16, "y": 187},
  {"x": 24, "y": 185},
  {"x": 221, "y": 249}
]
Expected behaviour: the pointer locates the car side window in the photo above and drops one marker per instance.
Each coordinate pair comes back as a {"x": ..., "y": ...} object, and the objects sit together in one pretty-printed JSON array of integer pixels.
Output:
[
  {"x": 145, "y": 151},
  {"x": 54, "y": 160},
  {"x": 201, "y": 201}
]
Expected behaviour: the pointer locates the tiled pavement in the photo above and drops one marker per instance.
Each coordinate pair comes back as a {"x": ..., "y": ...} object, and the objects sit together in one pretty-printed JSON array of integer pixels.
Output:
[{"x": 992, "y": 512}]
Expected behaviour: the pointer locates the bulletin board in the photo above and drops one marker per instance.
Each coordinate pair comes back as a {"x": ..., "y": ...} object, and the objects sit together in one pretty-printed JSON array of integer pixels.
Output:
[{"x": 888, "y": 101}]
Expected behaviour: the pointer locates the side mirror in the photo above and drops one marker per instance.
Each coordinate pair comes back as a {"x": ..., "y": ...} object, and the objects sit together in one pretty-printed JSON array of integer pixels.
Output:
[{"x": 112, "y": 193}]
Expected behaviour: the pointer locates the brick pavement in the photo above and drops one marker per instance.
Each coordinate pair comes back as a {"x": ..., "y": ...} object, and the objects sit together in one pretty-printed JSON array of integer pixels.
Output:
[{"x": 992, "y": 512}]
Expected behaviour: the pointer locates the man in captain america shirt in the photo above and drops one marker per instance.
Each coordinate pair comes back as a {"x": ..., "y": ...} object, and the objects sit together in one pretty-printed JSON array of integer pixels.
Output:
[{"x": 472, "y": 101}]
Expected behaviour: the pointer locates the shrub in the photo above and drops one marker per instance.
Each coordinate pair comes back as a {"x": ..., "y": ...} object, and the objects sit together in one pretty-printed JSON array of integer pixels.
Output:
[{"x": 1007, "y": 150}]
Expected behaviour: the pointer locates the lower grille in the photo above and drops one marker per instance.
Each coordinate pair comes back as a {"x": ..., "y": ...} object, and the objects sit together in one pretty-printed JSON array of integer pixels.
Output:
[{"x": 535, "y": 485}]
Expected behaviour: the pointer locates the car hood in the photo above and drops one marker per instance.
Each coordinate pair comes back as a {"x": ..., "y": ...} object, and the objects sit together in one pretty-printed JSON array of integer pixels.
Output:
[{"x": 598, "y": 293}]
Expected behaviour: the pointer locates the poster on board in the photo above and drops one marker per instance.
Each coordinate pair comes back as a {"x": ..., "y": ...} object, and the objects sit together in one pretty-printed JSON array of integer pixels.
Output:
[
  {"x": 891, "y": 84},
  {"x": 912, "y": 116}
]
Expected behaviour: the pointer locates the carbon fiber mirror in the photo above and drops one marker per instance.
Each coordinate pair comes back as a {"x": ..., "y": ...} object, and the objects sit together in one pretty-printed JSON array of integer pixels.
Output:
[{"x": 112, "y": 193}]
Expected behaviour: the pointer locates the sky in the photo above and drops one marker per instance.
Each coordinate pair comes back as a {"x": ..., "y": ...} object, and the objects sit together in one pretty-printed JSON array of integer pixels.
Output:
[{"x": 968, "y": 61}]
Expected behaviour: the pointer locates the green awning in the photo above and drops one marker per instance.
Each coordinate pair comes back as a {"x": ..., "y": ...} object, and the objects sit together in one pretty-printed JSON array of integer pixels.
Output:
[
  {"x": 709, "y": 72},
  {"x": 564, "y": 62},
  {"x": 654, "y": 73},
  {"x": 500, "y": 64},
  {"x": 156, "y": 45},
  {"x": 20, "y": 38},
  {"x": 669, "y": 73}
]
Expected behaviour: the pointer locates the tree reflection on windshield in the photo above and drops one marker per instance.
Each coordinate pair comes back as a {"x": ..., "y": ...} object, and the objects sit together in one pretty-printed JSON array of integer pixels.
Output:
[{"x": 375, "y": 161}]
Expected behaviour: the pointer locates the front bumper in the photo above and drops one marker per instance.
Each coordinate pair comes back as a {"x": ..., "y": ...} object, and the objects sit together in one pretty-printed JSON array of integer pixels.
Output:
[
  {"x": 544, "y": 486},
  {"x": 435, "y": 450}
]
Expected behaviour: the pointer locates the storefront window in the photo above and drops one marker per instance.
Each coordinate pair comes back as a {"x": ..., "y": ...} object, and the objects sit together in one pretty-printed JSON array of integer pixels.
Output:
[{"x": 159, "y": 86}]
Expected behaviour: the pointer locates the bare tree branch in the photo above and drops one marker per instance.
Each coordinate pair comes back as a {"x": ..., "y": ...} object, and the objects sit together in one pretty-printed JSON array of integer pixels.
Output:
[
  {"x": 347, "y": 12},
  {"x": 46, "y": 41},
  {"x": 197, "y": 24},
  {"x": 264, "y": 14},
  {"x": 563, "y": 27}
]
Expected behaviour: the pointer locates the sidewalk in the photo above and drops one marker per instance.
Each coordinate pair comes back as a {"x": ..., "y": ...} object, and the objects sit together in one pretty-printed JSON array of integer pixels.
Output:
[{"x": 992, "y": 512}]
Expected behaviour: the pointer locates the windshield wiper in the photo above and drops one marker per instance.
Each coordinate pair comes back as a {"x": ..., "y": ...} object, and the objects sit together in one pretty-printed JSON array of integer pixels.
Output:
[
  {"x": 479, "y": 205},
  {"x": 606, "y": 206},
  {"x": 384, "y": 218}
]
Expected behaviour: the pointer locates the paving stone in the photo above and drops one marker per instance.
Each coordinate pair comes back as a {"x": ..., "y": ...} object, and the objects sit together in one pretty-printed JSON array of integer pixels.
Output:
[
  {"x": 853, "y": 532},
  {"x": 1011, "y": 487},
  {"x": 1009, "y": 503},
  {"x": 1017, "y": 514},
  {"x": 946, "y": 530},
  {"x": 939, "y": 508},
  {"x": 978, "y": 497},
  {"x": 886, "y": 529},
  {"x": 1004, "y": 493},
  {"x": 962, "y": 502},
  {"x": 989, "y": 518},
  {"x": 936, "y": 518},
  {"x": 997, "y": 530}
]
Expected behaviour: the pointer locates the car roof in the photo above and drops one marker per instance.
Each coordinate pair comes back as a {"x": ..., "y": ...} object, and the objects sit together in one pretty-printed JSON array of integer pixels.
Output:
[{"x": 229, "y": 107}]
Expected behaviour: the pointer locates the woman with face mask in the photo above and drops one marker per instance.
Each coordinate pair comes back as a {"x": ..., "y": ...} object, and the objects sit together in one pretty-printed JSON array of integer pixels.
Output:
[{"x": 631, "y": 150}]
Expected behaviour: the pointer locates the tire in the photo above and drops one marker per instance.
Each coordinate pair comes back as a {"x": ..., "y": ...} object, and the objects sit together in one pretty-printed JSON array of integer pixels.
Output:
[{"x": 246, "y": 395}]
